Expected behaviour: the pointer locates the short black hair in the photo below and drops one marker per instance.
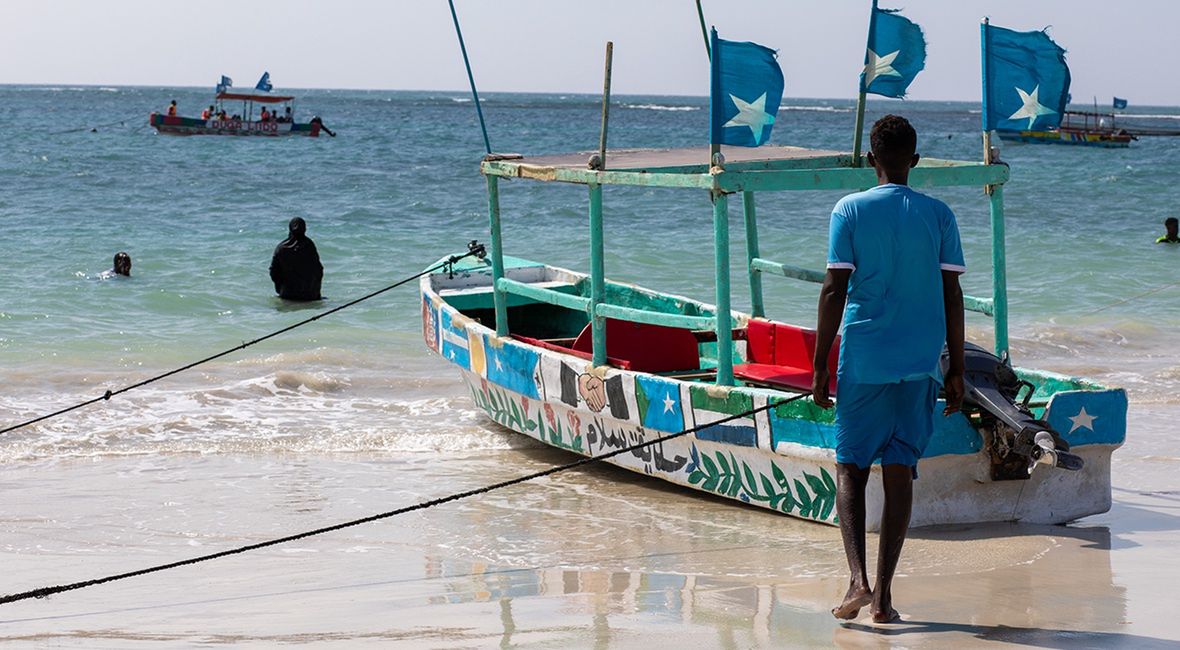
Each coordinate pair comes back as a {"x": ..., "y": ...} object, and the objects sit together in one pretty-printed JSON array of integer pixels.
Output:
[
  {"x": 1172, "y": 221},
  {"x": 893, "y": 140}
]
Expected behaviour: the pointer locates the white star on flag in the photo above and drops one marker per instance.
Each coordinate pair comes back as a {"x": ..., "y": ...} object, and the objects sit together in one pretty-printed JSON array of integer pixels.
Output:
[
  {"x": 752, "y": 114},
  {"x": 880, "y": 66},
  {"x": 499, "y": 365},
  {"x": 668, "y": 403},
  {"x": 1032, "y": 108},
  {"x": 1082, "y": 420}
]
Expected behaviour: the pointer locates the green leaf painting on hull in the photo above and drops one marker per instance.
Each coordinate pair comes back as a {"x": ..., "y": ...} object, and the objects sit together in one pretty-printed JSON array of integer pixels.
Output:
[
  {"x": 518, "y": 414},
  {"x": 814, "y": 497}
]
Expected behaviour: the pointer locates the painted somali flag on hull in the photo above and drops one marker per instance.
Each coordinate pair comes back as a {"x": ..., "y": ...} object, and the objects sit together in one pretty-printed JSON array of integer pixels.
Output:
[
  {"x": 659, "y": 404},
  {"x": 513, "y": 367},
  {"x": 1025, "y": 80},
  {"x": 896, "y": 53},
  {"x": 707, "y": 408},
  {"x": 746, "y": 90}
]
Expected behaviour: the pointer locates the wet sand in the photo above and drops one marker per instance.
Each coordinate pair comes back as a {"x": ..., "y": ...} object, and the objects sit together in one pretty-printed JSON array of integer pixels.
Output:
[{"x": 589, "y": 558}]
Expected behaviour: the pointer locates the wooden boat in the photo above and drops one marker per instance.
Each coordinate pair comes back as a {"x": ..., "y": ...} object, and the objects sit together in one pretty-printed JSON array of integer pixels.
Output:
[
  {"x": 237, "y": 124},
  {"x": 589, "y": 365},
  {"x": 1077, "y": 128}
]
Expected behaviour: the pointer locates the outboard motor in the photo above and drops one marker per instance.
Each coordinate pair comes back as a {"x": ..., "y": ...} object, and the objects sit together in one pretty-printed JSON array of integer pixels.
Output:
[{"x": 1015, "y": 439}]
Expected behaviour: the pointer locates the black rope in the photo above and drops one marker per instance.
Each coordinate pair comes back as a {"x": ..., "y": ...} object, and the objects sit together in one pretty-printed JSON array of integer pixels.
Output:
[
  {"x": 95, "y": 127},
  {"x": 42, "y": 592},
  {"x": 477, "y": 250}
]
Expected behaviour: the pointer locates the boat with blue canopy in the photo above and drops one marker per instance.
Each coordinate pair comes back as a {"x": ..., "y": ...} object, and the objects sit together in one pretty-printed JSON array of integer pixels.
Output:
[{"x": 589, "y": 365}]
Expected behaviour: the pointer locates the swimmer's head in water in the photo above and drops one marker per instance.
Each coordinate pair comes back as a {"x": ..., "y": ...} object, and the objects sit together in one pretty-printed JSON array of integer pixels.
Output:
[
  {"x": 297, "y": 227},
  {"x": 1172, "y": 224},
  {"x": 122, "y": 263}
]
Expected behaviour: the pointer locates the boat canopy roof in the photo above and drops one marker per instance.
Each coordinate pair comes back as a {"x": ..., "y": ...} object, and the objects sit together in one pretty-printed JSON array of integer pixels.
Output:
[
  {"x": 265, "y": 99},
  {"x": 767, "y": 168}
]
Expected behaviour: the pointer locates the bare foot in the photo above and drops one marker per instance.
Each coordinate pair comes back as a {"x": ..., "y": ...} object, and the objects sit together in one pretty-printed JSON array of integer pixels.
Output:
[
  {"x": 887, "y": 617},
  {"x": 853, "y": 601}
]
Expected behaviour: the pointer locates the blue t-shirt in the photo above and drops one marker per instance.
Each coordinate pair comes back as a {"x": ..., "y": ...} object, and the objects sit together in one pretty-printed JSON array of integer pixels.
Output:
[{"x": 897, "y": 242}]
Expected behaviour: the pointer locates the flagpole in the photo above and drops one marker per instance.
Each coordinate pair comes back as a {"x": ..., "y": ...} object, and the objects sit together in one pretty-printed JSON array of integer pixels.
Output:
[
  {"x": 984, "y": 112},
  {"x": 471, "y": 78},
  {"x": 704, "y": 31},
  {"x": 714, "y": 90},
  {"x": 860, "y": 100}
]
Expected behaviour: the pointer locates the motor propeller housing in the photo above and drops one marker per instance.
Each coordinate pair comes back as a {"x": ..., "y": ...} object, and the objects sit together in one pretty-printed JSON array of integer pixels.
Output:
[{"x": 1017, "y": 441}]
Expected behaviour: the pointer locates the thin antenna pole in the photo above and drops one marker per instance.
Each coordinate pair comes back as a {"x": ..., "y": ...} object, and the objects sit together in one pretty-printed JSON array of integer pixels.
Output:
[
  {"x": 478, "y": 109},
  {"x": 704, "y": 30},
  {"x": 860, "y": 99},
  {"x": 610, "y": 48}
]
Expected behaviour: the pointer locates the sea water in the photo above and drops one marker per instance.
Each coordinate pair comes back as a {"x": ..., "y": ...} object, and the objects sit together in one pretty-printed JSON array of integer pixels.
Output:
[{"x": 356, "y": 393}]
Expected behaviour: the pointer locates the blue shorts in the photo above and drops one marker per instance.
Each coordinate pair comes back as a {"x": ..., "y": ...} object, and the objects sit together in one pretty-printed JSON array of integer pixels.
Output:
[{"x": 890, "y": 422}]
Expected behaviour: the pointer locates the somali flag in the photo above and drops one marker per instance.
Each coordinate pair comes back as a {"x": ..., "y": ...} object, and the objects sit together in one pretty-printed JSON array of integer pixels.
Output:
[
  {"x": 745, "y": 93},
  {"x": 896, "y": 53},
  {"x": 512, "y": 366},
  {"x": 264, "y": 83},
  {"x": 1119, "y": 103},
  {"x": 455, "y": 345},
  {"x": 1025, "y": 80},
  {"x": 659, "y": 404},
  {"x": 224, "y": 84}
]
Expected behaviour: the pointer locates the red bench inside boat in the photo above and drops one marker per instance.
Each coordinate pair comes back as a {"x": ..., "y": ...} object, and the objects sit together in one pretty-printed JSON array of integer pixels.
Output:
[
  {"x": 781, "y": 355},
  {"x": 644, "y": 348}
]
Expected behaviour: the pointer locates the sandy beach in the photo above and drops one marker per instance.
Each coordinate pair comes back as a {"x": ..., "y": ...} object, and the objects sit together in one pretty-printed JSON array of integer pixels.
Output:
[{"x": 594, "y": 557}]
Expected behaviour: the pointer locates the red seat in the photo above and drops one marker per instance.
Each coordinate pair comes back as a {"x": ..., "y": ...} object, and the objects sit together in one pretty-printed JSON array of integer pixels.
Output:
[
  {"x": 646, "y": 348},
  {"x": 781, "y": 354}
]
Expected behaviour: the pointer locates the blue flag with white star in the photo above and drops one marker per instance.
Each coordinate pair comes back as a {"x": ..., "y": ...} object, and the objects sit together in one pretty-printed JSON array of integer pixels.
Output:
[
  {"x": 896, "y": 53},
  {"x": 264, "y": 83},
  {"x": 224, "y": 84},
  {"x": 746, "y": 90},
  {"x": 1025, "y": 80},
  {"x": 1119, "y": 103}
]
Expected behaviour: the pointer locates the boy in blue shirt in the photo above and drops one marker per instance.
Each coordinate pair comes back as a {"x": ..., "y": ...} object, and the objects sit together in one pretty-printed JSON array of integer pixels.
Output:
[{"x": 894, "y": 256}]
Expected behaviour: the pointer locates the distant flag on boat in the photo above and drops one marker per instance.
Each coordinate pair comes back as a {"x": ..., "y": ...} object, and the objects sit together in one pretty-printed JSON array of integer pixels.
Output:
[
  {"x": 746, "y": 90},
  {"x": 1025, "y": 80},
  {"x": 224, "y": 84},
  {"x": 896, "y": 53},
  {"x": 1120, "y": 103},
  {"x": 264, "y": 83}
]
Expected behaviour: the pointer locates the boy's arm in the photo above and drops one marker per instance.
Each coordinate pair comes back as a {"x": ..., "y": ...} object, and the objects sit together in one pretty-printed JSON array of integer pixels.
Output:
[
  {"x": 831, "y": 311},
  {"x": 952, "y": 300}
]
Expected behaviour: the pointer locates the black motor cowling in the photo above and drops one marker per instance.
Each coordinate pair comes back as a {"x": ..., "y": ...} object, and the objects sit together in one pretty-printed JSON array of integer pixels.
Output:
[{"x": 1016, "y": 440}]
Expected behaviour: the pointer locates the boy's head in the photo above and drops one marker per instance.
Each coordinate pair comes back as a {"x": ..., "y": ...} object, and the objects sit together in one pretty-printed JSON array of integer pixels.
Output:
[
  {"x": 1171, "y": 224},
  {"x": 894, "y": 143}
]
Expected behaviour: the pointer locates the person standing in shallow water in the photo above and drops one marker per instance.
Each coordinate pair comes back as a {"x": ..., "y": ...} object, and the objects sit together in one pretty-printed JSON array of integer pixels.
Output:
[
  {"x": 894, "y": 257},
  {"x": 295, "y": 266}
]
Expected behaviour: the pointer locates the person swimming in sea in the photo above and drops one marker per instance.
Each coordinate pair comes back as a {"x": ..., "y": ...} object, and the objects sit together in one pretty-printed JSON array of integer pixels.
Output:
[
  {"x": 1171, "y": 225},
  {"x": 295, "y": 267},
  {"x": 122, "y": 266}
]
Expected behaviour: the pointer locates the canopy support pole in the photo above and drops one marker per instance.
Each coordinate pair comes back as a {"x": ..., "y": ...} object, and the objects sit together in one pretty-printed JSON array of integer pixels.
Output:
[
  {"x": 499, "y": 297},
  {"x": 597, "y": 277},
  {"x": 724, "y": 325},
  {"x": 756, "y": 306},
  {"x": 999, "y": 272}
]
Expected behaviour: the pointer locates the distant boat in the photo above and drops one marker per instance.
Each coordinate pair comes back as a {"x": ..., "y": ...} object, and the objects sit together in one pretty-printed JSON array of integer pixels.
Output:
[
  {"x": 244, "y": 121},
  {"x": 1077, "y": 128}
]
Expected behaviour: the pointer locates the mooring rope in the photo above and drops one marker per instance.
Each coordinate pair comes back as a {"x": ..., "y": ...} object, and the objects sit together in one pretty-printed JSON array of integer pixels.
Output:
[
  {"x": 477, "y": 249},
  {"x": 42, "y": 592}
]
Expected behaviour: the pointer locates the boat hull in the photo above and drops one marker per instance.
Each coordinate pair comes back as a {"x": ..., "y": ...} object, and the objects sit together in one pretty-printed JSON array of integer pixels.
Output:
[
  {"x": 782, "y": 459},
  {"x": 1075, "y": 138},
  {"x": 173, "y": 125}
]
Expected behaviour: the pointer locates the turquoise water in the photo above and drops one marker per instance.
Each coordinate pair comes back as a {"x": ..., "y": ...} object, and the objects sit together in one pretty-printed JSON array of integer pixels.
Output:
[{"x": 400, "y": 188}]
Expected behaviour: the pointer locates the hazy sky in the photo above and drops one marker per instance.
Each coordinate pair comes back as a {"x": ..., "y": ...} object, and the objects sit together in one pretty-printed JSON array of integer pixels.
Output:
[{"x": 1113, "y": 48}]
